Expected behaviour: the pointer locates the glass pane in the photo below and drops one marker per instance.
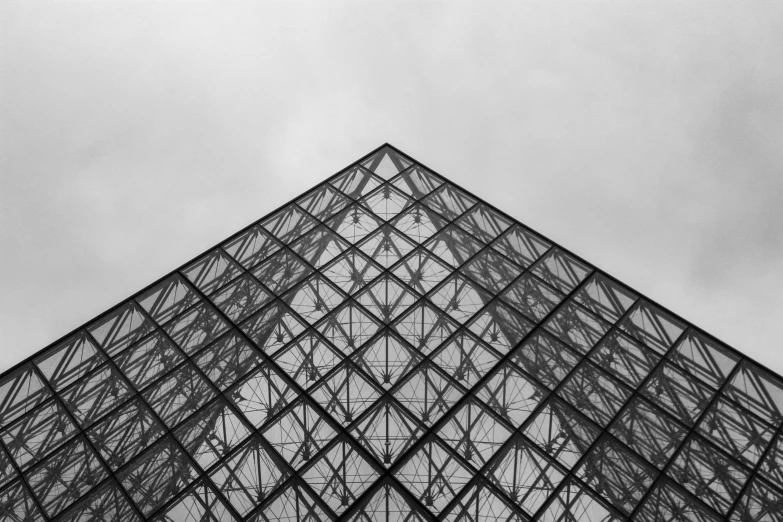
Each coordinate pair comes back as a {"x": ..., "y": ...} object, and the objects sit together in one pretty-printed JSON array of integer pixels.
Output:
[
  {"x": 484, "y": 223},
  {"x": 449, "y": 201},
  {"x": 65, "y": 476},
  {"x": 249, "y": 476},
  {"x": 356, "y": 182},
  {"x": 289, "y": 223},
  {"x": 418, "y": 223},
  {"x": 125, "y": 433},
  {"x": 453, "y": 245},
  {"x": 196, "y": 328},
  {"x": 252, "y": 247},
  {"x": 323, "y": 202},
  {"x": 354, "y": 223},
  {"x": 706, "y": 473},
  {"x": 434, "y": 474},
  {"x": 300, "y": 433},
  {"x": 520, "y": 245},
  {"x": 212, "y": 271},
  {"x": 36, "y": 434},
  {"x": 121, "y": 328},
  {"x": 151, "y": 358},
  {"x": 70, "y": 360},
  {"x": 168, "y": 299},
  {"x": 94, "y": 395},
  {"x": 20, "y": 392},
  {"x": 340, "y": 475},
  {"x": 387, "y": 430},
  {"x": 157, "y": 475},
  {"x": 524, "y": 474},
  {"x": 649, "y": 431},
  {"x": 417, "y": 182},
  {"x": 179, "y": 394},
  {"x": 212, "y": 433}
]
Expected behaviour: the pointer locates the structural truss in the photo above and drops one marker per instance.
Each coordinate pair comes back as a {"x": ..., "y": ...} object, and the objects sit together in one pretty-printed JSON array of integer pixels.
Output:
[{"x": 388, "y": 347}]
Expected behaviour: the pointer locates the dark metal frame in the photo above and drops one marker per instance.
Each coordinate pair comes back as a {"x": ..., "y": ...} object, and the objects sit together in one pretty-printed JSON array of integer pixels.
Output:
[{"x": 590, "y": 317}]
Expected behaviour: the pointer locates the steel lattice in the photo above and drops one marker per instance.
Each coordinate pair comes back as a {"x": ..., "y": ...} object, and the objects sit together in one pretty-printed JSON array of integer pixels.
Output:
[{"x": 388, "y": 347}]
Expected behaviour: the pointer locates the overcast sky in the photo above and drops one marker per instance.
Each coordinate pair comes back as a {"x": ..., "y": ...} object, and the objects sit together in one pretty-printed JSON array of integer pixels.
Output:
[{"x": 645, "y": 136}]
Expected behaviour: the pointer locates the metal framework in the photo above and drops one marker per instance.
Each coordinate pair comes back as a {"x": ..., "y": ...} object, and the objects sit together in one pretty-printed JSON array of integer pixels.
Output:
[{"x": 388, "y": 347}]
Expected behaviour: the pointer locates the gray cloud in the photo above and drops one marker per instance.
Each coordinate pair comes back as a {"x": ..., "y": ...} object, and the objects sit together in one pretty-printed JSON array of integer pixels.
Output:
[{"x": 645, "y": 136}]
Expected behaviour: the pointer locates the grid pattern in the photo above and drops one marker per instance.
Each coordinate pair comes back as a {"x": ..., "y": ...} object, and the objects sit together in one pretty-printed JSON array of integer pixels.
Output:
[{"x": 390, "y": 347}]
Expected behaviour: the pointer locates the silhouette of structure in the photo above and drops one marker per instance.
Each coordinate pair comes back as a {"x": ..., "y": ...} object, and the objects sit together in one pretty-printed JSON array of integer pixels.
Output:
[{"x": 388, "y": 347}]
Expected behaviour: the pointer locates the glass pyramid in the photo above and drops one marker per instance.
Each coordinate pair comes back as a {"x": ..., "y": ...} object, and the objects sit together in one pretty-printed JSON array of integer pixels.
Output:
[{"x": 388, "y": 347}]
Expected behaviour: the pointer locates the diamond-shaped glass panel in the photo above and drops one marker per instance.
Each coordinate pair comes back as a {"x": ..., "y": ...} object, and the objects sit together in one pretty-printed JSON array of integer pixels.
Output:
[
  {"x": 261, "y": 396},
  {"x": 386, "y": 246},
  {"x": 459, "y": 297},
  {"x": 491, "y": 270},
  {"x": 474, "y": 433},
  {"x": 227, "y": 360},
  {"x": 386, "y": 202},
  {"x": 345, "y": 394},
  {"x": 289, "y": 223},
  {"x": 562, "y": 432},
  {"x": 545, "y": 358},
  {"x": 212, "y": 433},
  {"x": 65, "y": 476},
  {"x": 273, "y": 327},
  {"x": 524, "y": 474},
  {"x": 39, "y": 432},
  {"x": 241, "y": 298},
  {"x": 212, "y": 271},
  {"x": 168, "y": 299},
  {"x": 428, "y": 394},
  {"x": 418, "y": 223},
  {"x": 421, "y": 271},
  {"x": 465, "y": 358},
  {"x": 121, "y": 328},
  {"x": 453, "y": 245},
  {"x": 352, "y": 271},
  {"x": 356, "y": 181},
  {"x": 308, "y": 359},
  {"x": 314, "y": 298},
  {"x": 248, "y": 477},
  {"x": 617, "y": 474},
  {"x": 425, "y": 327},
  {"x": 417, "y": 182},
  {"x": 300, "y": 433},
  {"x": 449, "y": 201},
  {"x": 196, "y": 328},
  {"x": 149, "y": 359},
  {"x": 125, "y": 433},
  {"x": 434, "y": 474},
  {"x": 354, "y": 223},
  {"x": 531, "y": 296},
  {"x": 387, "y": 298},
  {"x": 323, "y": 202},
  {"x": 340, "y": 475},
  {"x": 179, "y": 394},
  {"x": 649, "y": 431},
  {"x": 387, "y": 359},
  {"x": 70, "y": 360},
  {"x": 252, "y": 247},
  {"x": 282, "y": 271},
  {"x": 560, "y": 270},
  {"x": 387, "y": 430},
  {"x": 521, "y": 245},
  {"x": 319, "y": 246},
  {"x": 95, "y": 394}
]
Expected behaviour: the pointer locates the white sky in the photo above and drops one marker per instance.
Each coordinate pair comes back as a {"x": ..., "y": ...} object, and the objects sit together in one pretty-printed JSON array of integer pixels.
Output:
[{"x": 647, "y": 136}]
